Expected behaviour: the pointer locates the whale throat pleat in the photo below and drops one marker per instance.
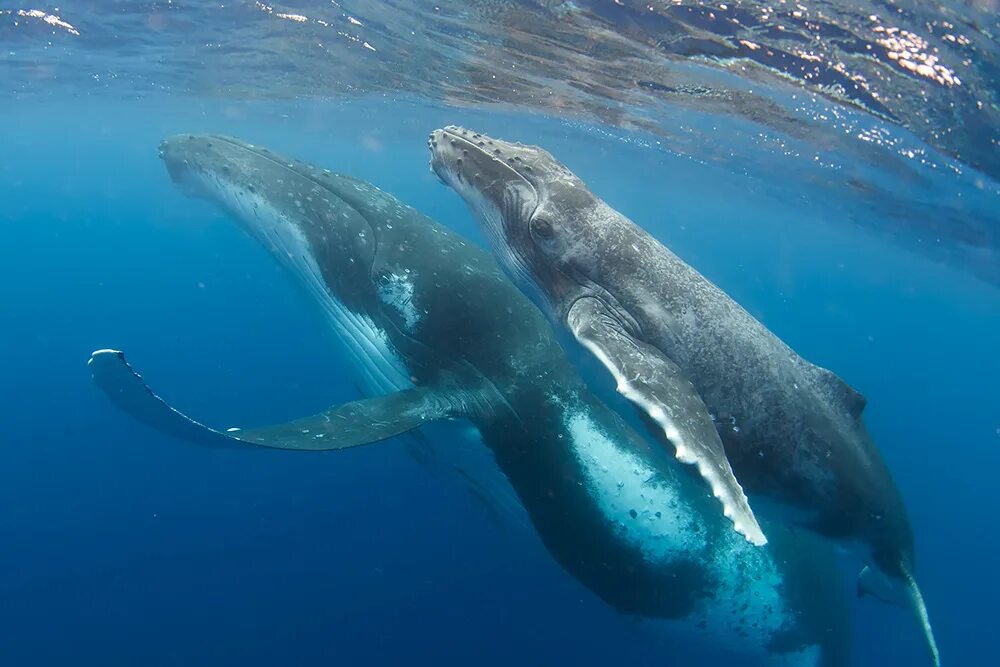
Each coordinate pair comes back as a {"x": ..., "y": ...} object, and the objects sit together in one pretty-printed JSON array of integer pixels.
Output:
[{"x": 372, "y": 356}]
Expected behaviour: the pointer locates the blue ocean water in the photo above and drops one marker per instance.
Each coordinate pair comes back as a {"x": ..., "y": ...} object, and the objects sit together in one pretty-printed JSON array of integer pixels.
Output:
[{"x": 124, "y": 547}]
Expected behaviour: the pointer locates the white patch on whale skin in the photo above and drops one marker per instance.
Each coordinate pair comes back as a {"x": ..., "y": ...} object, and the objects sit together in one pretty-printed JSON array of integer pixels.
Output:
[
  {"x": 730, "y": 503},
  {"x": 376, "y": 363},
  {"x": 396, "y": 291},
  {"x": 622, "y": 483},
  {"x": 748, "y": 592},
  {"x": 747, "y": 575},
  {"x": 458, "y": 453}
]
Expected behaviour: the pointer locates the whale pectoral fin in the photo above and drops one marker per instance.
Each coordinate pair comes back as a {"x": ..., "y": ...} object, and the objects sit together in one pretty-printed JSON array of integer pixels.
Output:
[
  {"x": 658, "y": 387},
  {"x": 347, "y": 425},
  {"x": 920, "y": 610},
  {"x": 872, "y": 582},
  {"x": 902, "y": 593}
]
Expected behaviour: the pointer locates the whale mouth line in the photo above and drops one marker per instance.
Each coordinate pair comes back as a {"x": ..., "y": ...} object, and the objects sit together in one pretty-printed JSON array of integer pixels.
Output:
[
  {"x": 202, "y": 178},
  {"x": 439, "y": 161},
  {"x": 243, "y": 185},
  {"x": 237, "y": 176},
  {"x": 242, "y": 146},
  {"x": 491, "y": 214}
]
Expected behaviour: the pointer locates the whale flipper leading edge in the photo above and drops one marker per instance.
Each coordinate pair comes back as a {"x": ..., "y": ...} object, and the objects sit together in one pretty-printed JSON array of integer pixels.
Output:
[
  {"x": 347, "y": 425},
  {"x": 656, "y": 385}
]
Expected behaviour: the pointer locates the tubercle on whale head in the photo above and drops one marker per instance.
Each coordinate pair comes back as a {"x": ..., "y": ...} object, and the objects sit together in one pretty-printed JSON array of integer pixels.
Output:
[
  {"x": 226, "y": 171},
  {"x": 197, "y": 163},
  {"x": 179, "y": 167},
  {"x": 298, "y": 212},
  {"x": 525, "y": 201},
  {"x": 459, "y": 146}
]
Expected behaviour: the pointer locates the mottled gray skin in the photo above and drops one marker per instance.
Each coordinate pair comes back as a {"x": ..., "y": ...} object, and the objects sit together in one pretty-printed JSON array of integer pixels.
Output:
[
  {"x": 624, "y": 520},
  {"x": 792, "y": 431}
]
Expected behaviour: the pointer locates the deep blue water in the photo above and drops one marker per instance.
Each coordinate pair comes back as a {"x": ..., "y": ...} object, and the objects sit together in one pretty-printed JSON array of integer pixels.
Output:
[{"x": 123, "y": 547}]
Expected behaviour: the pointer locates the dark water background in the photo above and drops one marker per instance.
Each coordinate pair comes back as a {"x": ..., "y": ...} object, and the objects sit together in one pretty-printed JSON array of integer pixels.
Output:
[{"x": 122, "y": 547}]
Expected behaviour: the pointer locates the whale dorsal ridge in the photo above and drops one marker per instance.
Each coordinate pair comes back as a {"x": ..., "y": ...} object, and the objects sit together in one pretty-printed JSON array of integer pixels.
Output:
[{"x": 842, "y": 393}]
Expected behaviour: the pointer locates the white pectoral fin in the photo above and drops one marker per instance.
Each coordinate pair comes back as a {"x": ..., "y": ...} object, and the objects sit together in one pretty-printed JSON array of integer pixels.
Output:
[
  {"x": 920, "y": 609},
  {"x": 347, "y": 425},
  {"x": 657, "y": 386},
  {"x": 903, "y": 593}
]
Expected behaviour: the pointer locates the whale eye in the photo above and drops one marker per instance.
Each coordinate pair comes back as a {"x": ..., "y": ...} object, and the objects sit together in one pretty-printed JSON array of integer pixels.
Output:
[{"x": 542, "y": 229}]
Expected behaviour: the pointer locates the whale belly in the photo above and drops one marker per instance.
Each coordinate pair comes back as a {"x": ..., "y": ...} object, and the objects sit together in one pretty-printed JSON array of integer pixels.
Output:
[{"x": 651, "y": 514}]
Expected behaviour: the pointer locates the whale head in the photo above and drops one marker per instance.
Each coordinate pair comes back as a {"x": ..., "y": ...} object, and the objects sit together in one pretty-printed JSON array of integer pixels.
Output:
[
  {"x": 300, "y": 213},
  {"x": 534, "y": 211}
]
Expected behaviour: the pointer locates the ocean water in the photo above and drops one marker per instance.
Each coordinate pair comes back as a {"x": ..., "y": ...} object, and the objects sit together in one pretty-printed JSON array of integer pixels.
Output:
[{"x": 861, "y": 232}]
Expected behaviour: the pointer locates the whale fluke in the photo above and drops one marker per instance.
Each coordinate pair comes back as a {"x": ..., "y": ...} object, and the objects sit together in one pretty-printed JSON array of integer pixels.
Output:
[
  {"x": 347, "y": 425},
  {"x": 658, "y": 387}
]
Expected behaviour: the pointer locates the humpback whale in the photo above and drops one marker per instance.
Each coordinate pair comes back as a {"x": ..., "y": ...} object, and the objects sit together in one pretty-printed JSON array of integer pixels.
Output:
[
  {"x": 723, "y": 390},
  {"x": 440, "y": 333}
]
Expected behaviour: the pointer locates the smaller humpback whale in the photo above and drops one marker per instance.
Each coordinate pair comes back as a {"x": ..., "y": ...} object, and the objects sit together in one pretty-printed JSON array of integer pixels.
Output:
[
  {"x": 726, "y": 392},
  {"x": 438, "y": 332}
]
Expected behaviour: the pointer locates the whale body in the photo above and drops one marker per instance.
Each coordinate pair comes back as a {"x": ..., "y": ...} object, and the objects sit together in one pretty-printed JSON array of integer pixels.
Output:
[
  {"x": 438, "y": 332},
  {"x": 720, "y": 389}
]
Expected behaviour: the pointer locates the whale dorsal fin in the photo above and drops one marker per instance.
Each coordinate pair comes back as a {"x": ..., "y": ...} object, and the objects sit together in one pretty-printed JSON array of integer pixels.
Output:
[
  {"x": 841, "y": 392},
  {"x": 656, "y": 385},
  {"x": 342, "y": 426}
]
